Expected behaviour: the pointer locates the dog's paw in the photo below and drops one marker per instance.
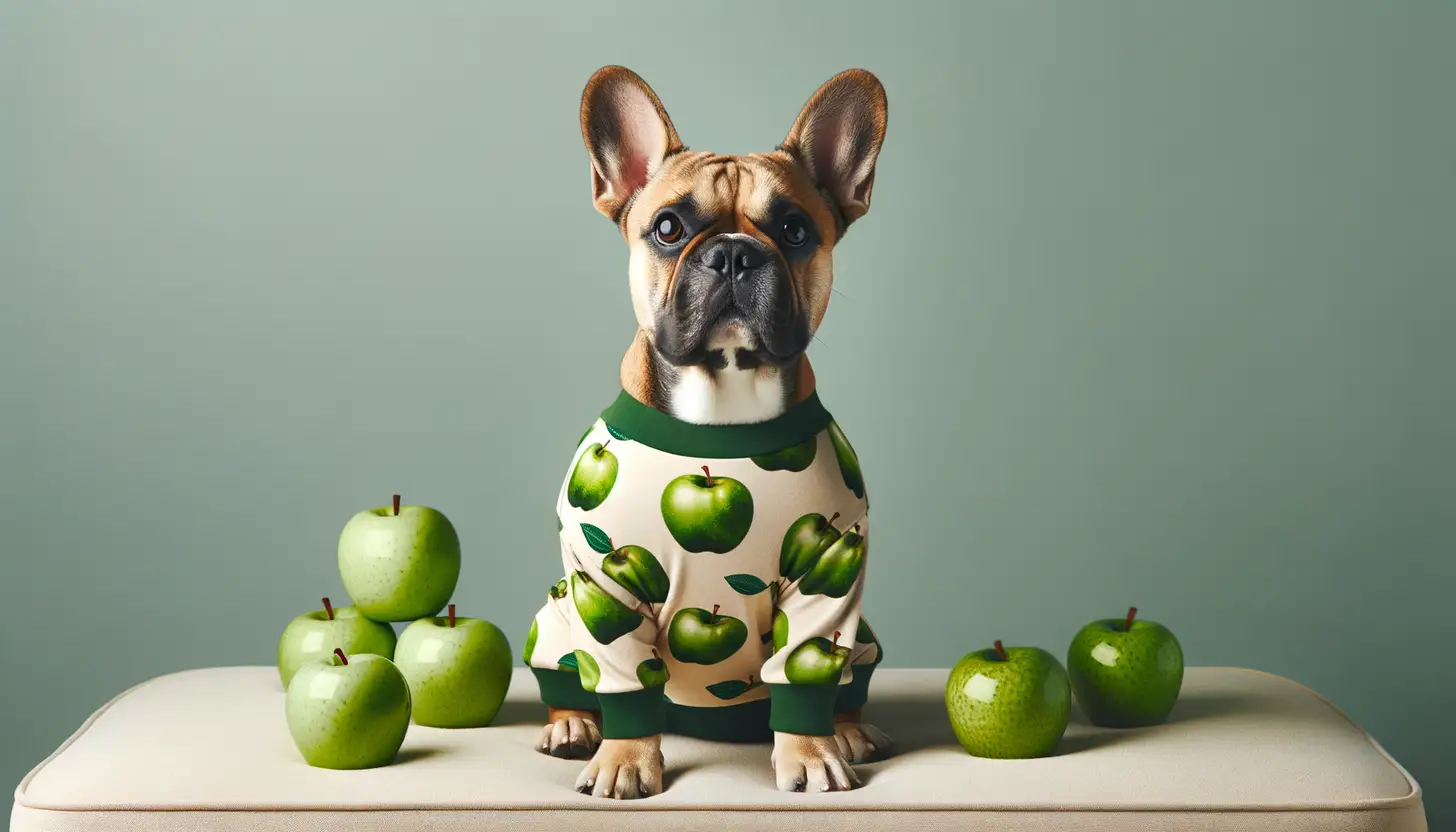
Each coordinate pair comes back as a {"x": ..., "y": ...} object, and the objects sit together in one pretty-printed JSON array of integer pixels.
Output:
[
  {"x": 624, "y": 770},
  {"x": 811, "y": 764},
  {"x": 860, "y": 742},
  {"x": 570, "y": 736}
]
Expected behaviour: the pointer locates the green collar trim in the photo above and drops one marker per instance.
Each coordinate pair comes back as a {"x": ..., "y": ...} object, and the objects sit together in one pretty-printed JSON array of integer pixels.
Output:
[{"x": 650, "y": 426}]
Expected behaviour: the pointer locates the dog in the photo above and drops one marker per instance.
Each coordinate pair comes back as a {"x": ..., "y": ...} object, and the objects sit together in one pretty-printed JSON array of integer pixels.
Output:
[{"x": 714, "y": 522}]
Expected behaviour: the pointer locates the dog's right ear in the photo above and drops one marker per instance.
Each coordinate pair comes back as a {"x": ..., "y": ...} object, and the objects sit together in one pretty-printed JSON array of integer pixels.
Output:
[{"x": 627, "y": 134}]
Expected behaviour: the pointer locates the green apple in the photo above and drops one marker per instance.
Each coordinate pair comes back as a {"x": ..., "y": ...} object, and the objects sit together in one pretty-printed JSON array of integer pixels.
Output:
[
  {"x": 458, "y": 670},
  {"x": 591, "y": 673},
  {"x": 558, "y": 590},
  {"x": 780, "y": 630},
  {"x": 818, "y": 661},
  {"x": 348, "y": 713},
  {"x": 793, "y": 458},
  {"x": 314, "y": 636},
  {"x": 1008, "y": 703},
  {"x": 593, "y": 477},
  {"x": 531, "y": 636},
  {"x": 399, "y": 565},
  {"x": 653, "y": 672},
  {"x": 835, "y": 572},
  {"x": 707, "y": 513},
  {"x": 1125, "y": 673},
  {"x": 848, "y": 461},
  {"x": 697, "y": 636},
  {"x": 606, "y": 618},
  {"x": 804, "y": 542},
  {"x": 637, "y": 571}
]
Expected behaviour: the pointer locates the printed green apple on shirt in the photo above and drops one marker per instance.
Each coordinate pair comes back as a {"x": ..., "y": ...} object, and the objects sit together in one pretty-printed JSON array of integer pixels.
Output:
[
  {"x": 848, "y": 460},
  {"x": 593, "y": 477},
  {"x": 653, "y": 673},
  {"x": 808, "y": 538},
  {"x": 632, "y": 567},
  {"x": 836, "y": 570},
  {"x": 794, "y": 458},
  {"x": 399, "y": 564},
  {"x": 818, "y": 661},
  {"x": 606, "y": 618},
  {"x": 707, "y": 513},
  {"x": 699, "y": 636},
  {"x": 458, "y": 670}
]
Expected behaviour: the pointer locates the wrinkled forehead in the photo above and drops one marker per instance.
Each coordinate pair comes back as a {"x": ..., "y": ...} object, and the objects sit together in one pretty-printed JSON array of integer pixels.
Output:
[{"x": 721, "y": 189}]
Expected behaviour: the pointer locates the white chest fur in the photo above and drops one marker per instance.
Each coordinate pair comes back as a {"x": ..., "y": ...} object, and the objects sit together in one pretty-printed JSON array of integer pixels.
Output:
[{"x": 731, "y": 395}]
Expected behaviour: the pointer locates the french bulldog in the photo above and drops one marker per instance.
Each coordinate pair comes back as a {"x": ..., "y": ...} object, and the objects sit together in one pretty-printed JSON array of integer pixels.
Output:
[{"x": 730, "y": 271}]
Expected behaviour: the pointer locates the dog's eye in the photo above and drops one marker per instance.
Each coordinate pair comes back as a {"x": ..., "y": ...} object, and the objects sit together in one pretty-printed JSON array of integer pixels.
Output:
[
  {"x": 668, "y": 229},
  {"x": 795, "y": 231}
]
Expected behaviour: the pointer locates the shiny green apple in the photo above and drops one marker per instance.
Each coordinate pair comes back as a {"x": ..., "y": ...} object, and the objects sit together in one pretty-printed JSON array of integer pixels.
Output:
[
  {"x": 315, "y": 635},
  {"x": 348, "y": 713},
  {"x": 1008, "y": 702},
  {"x": 1126, "y": 673},
  {"x": 399, "y": 564},
  {"x": 458, "y": 670}
]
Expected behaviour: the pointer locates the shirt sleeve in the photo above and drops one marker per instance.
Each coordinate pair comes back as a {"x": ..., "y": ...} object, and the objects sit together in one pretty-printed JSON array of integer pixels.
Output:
[
  {"x": 613, "y": 636},
  {"x": 815, "y": 622}
]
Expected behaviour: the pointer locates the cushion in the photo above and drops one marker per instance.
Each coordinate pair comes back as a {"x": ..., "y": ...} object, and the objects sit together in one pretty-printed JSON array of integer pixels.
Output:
[{"x": 209, "y": 749}]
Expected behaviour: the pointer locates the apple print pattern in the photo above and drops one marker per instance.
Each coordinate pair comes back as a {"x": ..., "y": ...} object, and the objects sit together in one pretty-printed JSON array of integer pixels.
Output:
[{"x": 715, "y": 578}]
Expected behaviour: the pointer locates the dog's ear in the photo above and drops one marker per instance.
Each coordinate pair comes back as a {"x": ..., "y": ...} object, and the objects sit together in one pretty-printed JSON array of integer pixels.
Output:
[
  {"x": 627, "y": 134},
  {"x": 837, "y": 137}
]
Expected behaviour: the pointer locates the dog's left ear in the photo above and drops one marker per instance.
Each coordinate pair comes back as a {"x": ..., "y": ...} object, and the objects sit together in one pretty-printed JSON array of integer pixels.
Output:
[
  {"x": 627, "y": 134},
  {"x": 837, "y": 137}
]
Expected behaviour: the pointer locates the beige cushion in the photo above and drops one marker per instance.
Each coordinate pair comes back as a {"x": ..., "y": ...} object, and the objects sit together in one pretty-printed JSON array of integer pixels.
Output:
[{"x": 209, "y": 749}]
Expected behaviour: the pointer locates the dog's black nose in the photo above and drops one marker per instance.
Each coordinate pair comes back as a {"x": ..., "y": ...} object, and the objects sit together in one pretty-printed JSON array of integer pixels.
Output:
[{"x": 734, "y": 258}]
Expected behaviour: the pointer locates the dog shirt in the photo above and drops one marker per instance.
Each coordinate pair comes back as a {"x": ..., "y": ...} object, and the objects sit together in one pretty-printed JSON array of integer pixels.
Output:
[{"x": 712, "y": 577}]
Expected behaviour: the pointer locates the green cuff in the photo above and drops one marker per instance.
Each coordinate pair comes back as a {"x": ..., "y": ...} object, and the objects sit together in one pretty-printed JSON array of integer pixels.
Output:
[
  {"x": 562, "y": 689},
  {"x": 857, "y": 692},
  {"x": 640, "y": 713},
  {"x": 803, "y": 709}
]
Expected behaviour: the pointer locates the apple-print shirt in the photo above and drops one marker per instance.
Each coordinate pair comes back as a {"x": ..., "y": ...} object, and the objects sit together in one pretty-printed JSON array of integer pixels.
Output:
[{"x": 712, "y": 577}]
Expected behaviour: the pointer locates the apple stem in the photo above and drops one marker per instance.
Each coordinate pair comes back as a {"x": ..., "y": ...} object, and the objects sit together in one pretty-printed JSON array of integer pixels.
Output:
[
  {"x": 1001, "y": 651},
  {"x": 396, "y": 505},
  {"x": 707, "y": 476},
  {"x": 834, "y": 642},
  {"x": 452, "y": 616},
  {"x": 654, "y": 653},
  {"x": 329, "y": 609},
  {"x": 714, "y": 618},
  {"x": 605, "y": 444},
  {"x": 339, "y": 651},
  {"x": 1131, "y": 613},
  {"x": 830, "y": 524}
]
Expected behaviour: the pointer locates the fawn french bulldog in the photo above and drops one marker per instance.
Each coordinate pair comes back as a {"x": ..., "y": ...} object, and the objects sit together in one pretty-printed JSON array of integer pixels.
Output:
[{"x": 714, "y": 525}]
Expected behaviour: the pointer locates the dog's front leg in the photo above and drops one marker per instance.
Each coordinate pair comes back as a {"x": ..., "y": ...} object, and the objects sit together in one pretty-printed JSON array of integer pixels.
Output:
[
  {"x": 624, "y": 769},
  {"x": 570, "y": 734},
  {"x": 804, "y": 763}
]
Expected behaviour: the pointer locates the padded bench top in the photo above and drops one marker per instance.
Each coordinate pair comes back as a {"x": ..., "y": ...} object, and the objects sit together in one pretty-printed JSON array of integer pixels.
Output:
[{"x": 210, "y": 749}]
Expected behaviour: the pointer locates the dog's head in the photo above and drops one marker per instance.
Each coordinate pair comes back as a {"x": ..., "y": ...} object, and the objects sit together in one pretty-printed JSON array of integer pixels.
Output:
[{"x": 731, "y": 256}]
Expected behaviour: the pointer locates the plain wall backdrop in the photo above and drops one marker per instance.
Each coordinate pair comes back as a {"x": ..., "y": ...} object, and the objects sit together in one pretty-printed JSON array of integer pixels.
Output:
[{"x": 1154, "y": 306}]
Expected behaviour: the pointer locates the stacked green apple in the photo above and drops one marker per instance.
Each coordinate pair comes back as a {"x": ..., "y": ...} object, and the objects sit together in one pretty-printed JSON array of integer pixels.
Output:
[{"x": 352, "y": 685}]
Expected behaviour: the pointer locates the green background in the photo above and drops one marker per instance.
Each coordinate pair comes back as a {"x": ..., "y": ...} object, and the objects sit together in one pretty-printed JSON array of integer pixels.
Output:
[{"x": 1154, "y": 306}]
